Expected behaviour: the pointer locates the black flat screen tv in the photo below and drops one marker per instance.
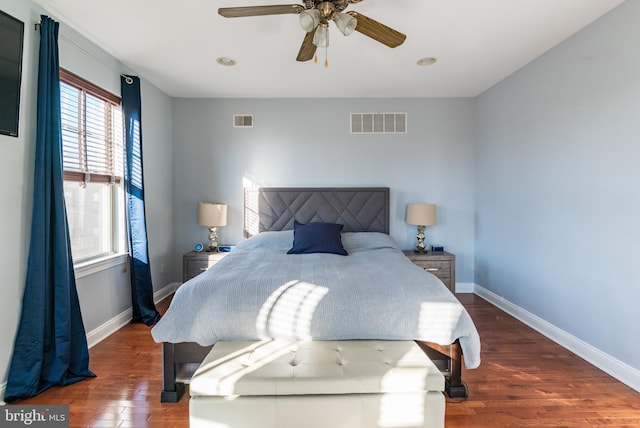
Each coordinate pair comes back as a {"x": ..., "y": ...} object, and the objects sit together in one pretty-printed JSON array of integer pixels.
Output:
[{"x": 11, "y": 39}]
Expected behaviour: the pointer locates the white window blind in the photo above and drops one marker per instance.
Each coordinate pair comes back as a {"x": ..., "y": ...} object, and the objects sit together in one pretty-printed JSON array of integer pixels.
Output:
[
  {"x": 92, "y": 147},
  {"x": 91, "y": 132}
]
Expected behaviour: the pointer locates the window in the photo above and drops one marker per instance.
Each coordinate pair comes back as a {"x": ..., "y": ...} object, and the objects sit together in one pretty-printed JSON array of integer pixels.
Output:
[{"x": 93, "y": 168}]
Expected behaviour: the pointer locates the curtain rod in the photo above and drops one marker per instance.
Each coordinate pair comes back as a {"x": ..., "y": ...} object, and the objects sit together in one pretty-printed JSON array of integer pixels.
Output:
[{"x": 128, "y": 78}]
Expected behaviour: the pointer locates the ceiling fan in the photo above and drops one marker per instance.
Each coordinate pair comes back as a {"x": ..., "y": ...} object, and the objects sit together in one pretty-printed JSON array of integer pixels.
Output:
[{"x": 314, "y": 19}]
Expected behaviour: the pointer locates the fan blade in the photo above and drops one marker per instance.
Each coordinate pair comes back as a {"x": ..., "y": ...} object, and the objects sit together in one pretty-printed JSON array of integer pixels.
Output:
[
  {"x": 378, "y": 31},
  {"x": 308, "y": 49},
  {"x": 280, "y": 9}
]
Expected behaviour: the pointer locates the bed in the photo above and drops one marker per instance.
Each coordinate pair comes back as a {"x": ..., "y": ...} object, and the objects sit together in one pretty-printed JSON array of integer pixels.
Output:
[{"x": 260, "y": 292}]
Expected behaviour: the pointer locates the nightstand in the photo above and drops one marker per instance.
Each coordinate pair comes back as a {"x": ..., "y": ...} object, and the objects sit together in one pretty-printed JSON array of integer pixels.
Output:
[
  {"x": 194, "y": 263},
  {"x": 441, "y": 264}
]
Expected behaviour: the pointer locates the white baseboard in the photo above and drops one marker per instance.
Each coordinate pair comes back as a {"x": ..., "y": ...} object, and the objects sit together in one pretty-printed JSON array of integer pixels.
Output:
[
  {"x": 97, "y": 335},
  {"x": 165, "y": 291},
  {"x": 465, "y": 287},
  {"x": 605, "y": 362},
  {"x": 100, "y": 333}
]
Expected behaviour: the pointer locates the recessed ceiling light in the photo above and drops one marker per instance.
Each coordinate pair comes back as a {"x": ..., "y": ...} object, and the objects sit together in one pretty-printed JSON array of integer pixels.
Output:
[
  {"x": 426, "y": 61},
  {"x": 228, "y": 62}
]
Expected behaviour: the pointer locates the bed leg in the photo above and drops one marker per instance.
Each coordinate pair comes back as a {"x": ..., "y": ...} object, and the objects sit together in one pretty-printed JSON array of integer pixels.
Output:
[
  {"x": 448, "y": 358},
  {"x": 454, "y": 387},
  {"x": 171, "y": 390}
]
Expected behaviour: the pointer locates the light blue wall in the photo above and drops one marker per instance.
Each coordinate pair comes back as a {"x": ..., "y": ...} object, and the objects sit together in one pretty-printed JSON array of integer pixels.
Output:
[
  {"x": 103, "y": 295},
  {"x": 558, "y": 186},
  {"x": 299, "y": 142},
  {"x": 16, "y": 191}
]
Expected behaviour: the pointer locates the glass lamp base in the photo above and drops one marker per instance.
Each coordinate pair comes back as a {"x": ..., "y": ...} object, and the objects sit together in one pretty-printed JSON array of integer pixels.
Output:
[
  {"x": 420, "y": 245},
  {"x": 213, "y": 241}
]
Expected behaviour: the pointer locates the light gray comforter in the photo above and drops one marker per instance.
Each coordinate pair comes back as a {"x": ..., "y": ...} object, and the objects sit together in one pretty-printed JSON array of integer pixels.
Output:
[{"x": 259, "y": 292}]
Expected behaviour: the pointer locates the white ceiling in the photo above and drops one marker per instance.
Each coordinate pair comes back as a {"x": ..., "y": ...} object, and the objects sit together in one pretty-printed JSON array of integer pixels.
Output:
[{"x": 174, "y": 45}]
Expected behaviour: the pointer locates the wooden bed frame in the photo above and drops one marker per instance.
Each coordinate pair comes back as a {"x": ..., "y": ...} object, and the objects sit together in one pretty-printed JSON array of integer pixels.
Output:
[{"x": 360, "y": 210}]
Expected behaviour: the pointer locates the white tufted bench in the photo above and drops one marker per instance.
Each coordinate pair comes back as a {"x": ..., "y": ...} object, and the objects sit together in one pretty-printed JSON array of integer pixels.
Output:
[{"x": 320, "y": 384}]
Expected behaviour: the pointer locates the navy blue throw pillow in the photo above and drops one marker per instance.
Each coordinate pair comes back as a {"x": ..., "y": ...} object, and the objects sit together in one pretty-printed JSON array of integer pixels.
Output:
[{"x": 317, "y": 238}]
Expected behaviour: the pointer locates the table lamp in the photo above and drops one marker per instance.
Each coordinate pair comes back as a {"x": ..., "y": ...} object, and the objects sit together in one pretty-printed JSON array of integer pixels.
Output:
[
  {"x": 421, "y": 215},
  {"x": 212, "y": 215}
]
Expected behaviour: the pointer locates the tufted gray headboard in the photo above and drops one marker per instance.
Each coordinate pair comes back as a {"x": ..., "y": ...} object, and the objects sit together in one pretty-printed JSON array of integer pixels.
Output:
[{"x": 359, "y": 209}]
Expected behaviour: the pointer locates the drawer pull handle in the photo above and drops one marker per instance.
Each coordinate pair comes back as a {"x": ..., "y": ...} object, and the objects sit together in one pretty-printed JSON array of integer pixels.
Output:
[
  {"x": 203, "y": 269},
  {"x": 431, "y": 269}
]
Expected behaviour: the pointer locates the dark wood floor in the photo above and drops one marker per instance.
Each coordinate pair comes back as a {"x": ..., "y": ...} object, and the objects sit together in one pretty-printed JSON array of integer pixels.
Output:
[{"x": 525, "y": 380}]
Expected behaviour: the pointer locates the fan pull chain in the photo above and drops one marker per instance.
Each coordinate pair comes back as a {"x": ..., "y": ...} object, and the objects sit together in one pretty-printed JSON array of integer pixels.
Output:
[{"x": 326, "y": 58}]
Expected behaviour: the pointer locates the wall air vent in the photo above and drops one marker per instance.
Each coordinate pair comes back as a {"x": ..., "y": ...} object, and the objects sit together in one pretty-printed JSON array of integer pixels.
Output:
[
  {"x": 378, "y": 123},
  {"x": 243, "y": 121}
]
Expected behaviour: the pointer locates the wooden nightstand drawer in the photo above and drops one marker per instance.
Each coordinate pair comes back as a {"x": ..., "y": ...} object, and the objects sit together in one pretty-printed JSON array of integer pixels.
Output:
[
  {"x": 196, "y": 267},
  {"x": 194, "y": 263},
  {"x": 440, "y": 268},
  {"x": 441, "y": 264}
]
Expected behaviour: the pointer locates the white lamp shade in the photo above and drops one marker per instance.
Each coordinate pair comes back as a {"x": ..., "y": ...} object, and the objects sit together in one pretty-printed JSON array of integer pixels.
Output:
[
  {"x": 345, "y": 23},
  {"x": 321, "y": 37},
  {"x": 212, "y": 214},
  {"x": 309, "y": 19},
  {"x": 421, "y": 214}
]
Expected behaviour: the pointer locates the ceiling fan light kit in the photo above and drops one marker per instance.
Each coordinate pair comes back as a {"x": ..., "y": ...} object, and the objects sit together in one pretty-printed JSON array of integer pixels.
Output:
[
  {"x": 321, "y": 36},
  {"x": 314, "y": 18},
  {"x": 310, "y": 19},
  {"x": 345, "y": 23}
]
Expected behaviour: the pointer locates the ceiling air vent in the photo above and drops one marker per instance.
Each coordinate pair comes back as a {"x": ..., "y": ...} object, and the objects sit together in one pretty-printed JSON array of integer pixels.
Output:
[
  {"x": 243, "y": 121},
  {"x": 378, "y": 123}
]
